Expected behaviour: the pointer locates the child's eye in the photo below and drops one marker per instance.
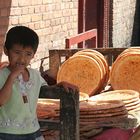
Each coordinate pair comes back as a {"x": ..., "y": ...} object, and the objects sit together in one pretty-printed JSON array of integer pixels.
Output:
[
  {"x": 17, "y": 52},
  {"x": 29, "y": 54}
]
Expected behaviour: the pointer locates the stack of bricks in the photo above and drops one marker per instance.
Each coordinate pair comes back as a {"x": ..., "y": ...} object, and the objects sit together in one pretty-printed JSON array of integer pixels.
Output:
[{"x": 53, "y": 20}]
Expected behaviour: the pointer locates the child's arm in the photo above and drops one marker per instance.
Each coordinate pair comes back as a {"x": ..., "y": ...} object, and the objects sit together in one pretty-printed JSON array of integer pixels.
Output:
[
  {"x": 55, "y": 90},
  {"x": 6, "y": 90}
]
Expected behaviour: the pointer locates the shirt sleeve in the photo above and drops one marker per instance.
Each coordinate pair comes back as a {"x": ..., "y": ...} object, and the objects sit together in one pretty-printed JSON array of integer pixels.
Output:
[
  {"x": 41, "y": 79},
  {"x": 3, "y": 77}
]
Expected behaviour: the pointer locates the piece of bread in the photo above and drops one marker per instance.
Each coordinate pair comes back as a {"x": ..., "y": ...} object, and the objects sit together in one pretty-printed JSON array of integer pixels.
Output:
[{"x": 82, "y": 71}]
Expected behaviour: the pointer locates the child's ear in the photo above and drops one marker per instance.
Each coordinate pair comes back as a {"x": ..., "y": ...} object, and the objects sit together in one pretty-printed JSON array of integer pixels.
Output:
[{"x": 5, "y": 51}]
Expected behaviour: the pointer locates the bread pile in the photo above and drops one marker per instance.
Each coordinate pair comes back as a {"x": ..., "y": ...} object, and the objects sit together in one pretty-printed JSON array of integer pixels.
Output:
[
  {"x": 109, "y": 109},
  {"x": 125, "y": 71},
  {"x": 46, "y": 108},
  {"x": 101, "y": 111},
  {"x": 130, "y": 98},
  {"x": 87, "y": 69},
  {"x": 50, "y": 108}
]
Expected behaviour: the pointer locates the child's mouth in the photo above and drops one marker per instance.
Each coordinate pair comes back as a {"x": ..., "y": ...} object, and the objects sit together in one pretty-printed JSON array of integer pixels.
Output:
[{"x": 20, "y": 65}]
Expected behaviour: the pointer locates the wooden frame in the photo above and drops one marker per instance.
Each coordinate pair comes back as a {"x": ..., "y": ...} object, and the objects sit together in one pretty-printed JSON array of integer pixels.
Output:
[{"x": 104, "y": 19}]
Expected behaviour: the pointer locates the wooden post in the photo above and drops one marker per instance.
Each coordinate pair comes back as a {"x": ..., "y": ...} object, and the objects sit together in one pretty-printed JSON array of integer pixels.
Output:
[
  {"x": 54, "y": 61},
  {"x": 69, "y": 116},
  {"x": 68, "y": 125}
]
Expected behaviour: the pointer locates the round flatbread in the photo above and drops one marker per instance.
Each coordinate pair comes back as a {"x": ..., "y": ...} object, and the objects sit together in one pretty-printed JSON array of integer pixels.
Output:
[
  {"x": 82, "y": 71},
  {"x": 103, "y": 119},
  {"x": 124, "y": 95},
  {"x": 83, "y": 96},
  {"x": 104, "y": 79},
  {"x": 133, "y": 103},
  {"x": 130, "y": 108},
  {"x": 125, "y": 72},
  {"x": 124, "y": 112},
  {"x": 100, "y": 105},
  {"x": 104, "y": 111},
  {"x": 101, "y": 56},
  {"x": 43, "y": 104}
]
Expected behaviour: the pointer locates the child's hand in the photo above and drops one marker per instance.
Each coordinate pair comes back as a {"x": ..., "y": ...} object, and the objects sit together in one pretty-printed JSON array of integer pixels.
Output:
[
  {"x": 68, "y": 87},
  {"x": 16, "y": 72}
]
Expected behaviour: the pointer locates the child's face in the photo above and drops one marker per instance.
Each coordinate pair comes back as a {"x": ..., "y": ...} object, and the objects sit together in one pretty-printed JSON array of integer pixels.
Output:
[{"x": 19, "y": 56}]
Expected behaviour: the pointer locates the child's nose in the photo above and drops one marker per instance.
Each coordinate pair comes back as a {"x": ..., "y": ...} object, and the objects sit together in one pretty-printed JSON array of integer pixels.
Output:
[{"x": 22, "y": 58}]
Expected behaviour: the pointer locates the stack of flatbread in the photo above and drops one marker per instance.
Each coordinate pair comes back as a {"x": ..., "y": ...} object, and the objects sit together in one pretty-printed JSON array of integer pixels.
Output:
[
  {"x": 50, "y": 108},
  {"x": 125, "y": 71},
  {"x": 88, "y": 69},
  {"x": 109, "y": 109},
  {"x": 46, "y": 108},
  {"x": 101, "y": 112},
  {"x": 51, "y": 134},
  {"x": 95, "y": 115},
  {"x": 129, "y": 97}
]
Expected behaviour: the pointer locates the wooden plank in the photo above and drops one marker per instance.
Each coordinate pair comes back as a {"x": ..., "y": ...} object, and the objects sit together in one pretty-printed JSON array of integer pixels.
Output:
[
  {"x": 54, "y": 62},
  {"x": 69, "y": 113},
  {"x": 69, "y": 116},
  {"x": 72, "y": 51},
  {"x": 46, "y": 124},
  {"x": 81, "y": 37}
]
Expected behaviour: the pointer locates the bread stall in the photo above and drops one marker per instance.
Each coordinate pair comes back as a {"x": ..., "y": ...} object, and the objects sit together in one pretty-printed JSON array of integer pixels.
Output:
[{"x": 106, "y": 104}]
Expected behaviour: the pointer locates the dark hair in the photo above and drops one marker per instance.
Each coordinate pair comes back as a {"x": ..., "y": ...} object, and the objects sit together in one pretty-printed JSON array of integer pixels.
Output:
[{"x": 23, "y": 36}]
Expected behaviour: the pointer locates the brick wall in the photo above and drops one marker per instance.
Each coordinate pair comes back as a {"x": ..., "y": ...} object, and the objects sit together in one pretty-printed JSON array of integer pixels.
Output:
[
  {"x": 53, "y": 20},
  {"x": 123, "y": 20}
]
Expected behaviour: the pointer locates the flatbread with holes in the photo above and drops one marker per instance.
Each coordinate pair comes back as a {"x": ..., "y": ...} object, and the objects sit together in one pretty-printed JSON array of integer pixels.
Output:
[
  {"x": 102, "y": 66},
  {"x": 103, "y": 119},
  {"x": 100, "y": 105},
  {"x": 125, "y": 72},
  {"x": 101, "y": 56},
  {"x": 82, "y": 71},
  {"x": 124, "y": 112},
  {"x": 104, "y": 111},
  {"x": 126, "y": 96}
]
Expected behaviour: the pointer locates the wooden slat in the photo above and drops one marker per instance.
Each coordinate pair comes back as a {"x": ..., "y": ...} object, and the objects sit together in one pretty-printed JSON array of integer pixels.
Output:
[
  {"x": 54, "y": 62},
  {"x": 46, "y": 124},
  {"x": 81, "y": 37}
]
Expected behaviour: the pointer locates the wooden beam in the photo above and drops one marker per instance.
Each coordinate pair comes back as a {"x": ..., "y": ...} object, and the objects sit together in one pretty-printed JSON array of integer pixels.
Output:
[{"x": 81, "y": 37}]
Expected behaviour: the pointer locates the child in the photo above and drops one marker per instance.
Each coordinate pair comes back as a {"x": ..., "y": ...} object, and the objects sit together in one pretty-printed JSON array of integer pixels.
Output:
[{"x": 20, "y": 87}]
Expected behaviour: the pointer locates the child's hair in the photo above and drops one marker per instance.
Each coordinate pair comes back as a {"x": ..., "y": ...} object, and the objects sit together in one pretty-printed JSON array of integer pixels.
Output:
[{"x": 23, "y": 36}]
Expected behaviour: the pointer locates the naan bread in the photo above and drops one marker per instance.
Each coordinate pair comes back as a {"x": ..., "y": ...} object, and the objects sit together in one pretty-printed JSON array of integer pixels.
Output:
[{"x": 82, "y": 71}]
